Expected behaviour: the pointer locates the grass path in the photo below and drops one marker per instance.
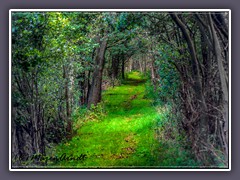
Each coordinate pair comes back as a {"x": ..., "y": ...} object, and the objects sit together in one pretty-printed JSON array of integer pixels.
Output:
[{"x": 125, "y": 136}]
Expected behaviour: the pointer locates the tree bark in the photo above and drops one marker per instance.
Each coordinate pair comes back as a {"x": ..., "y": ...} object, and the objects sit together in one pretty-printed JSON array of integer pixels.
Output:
[
  {"x": 203, "y": 124},
  {"x": 218, "y": 52},
  {"x": 95, "y": 91},
  {"x": 123, "y": 67},
  {"x": 67, "y": 99},
  {"x": 81, "y": 83},
  {"x": 115, "y": 66}
]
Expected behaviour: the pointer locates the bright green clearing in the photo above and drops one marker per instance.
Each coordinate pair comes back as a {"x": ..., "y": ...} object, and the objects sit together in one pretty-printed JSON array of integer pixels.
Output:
[{"x": 125, "y": 137}]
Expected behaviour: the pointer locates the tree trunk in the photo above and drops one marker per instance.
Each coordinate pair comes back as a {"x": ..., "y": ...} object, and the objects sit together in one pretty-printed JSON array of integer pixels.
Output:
[
  {"x": 140, "y": 65},
  {"x": 81, "y": 84},
  {"x": 37, "y": 124},
  {"x": 153, "y": 76},
  {"x": 203, "y": 124},
  {"x": 130, "y": 64},
  {"x": 115, "y": 66},
  {"x": 223, "y": 78},
  {"x": 67, "y": 99},
  {"x": 123, "y": 67},
  {"x": 95, "y": 91}
]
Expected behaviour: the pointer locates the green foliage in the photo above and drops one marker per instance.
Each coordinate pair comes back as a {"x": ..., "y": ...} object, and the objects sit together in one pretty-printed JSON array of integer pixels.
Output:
[
  {"x": 151, "y": 93},
  {"x": 27, "y": 37},
  {"x": 168, "y": 82},
  {"x": 83, "y": 115},
  {"x": 128, "y": 21},
  {"x": 174, "y": 145},
  {"x": 169, "y": 77},
  {"x": 43, "y": 44}
]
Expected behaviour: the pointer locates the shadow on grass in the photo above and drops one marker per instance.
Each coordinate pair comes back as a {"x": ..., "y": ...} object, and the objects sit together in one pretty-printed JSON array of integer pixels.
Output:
[{"x": 134, "y": 82}]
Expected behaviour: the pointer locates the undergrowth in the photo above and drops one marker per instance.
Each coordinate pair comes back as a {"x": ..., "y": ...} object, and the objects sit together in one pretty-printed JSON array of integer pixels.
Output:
[
  {"x": 173, "y": 141},
  {"x": 175, "y": 150},
  {"x": 83, "y": 115}
]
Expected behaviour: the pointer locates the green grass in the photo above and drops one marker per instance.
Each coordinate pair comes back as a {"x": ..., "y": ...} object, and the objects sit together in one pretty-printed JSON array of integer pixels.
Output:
[{"x": 125, "y": 137}]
